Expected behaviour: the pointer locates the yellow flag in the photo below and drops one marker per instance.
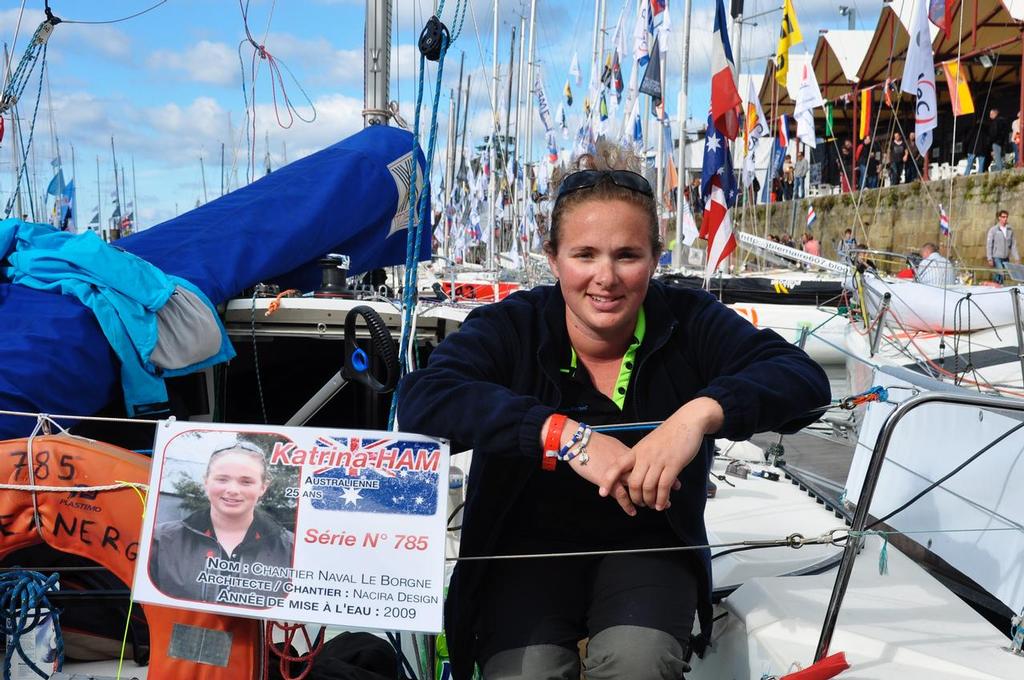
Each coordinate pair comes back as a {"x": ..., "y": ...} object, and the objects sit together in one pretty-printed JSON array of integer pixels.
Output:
[
  {"x": 959, "y": 88},
  {"x": 789, "y": 35}
]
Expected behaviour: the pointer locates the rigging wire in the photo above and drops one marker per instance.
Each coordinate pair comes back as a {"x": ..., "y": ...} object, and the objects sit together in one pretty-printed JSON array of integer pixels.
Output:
[
  {"x": 14, "y": 42},
  {"x": 418, "y": 205},
  {"x": 30, "y": 57},
  {"x": 112, "y": 21},
  {"x": 261, "y": 53}
]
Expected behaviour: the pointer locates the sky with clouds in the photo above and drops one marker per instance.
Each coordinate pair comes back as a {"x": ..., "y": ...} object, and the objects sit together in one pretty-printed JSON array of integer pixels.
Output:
[{"x": 168, "y": 85}]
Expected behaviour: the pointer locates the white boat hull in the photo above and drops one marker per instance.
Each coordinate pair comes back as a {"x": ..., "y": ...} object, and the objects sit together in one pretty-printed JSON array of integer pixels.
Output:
[
  {"x": 824, "y": 345},
  {"x": 921, "y": 307}
]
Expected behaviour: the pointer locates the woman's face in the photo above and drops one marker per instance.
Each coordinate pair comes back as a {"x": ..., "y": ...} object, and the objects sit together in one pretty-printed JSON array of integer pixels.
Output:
[
  {"x": 234, "y": 484},
  {"x": 604, "y": 264}
]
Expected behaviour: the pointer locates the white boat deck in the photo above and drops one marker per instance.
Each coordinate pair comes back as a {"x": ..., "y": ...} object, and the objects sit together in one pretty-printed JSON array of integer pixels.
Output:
[
  {"x": 759, "y": 509},
  {"x": 901, "y": 625}
]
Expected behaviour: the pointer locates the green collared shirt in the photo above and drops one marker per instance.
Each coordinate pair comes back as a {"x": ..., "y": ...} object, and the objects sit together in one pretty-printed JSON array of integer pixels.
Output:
[{"x": 627, "y": 365}]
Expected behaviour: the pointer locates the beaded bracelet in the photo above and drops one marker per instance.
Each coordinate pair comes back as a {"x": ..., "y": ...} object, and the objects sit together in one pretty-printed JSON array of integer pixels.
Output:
[
  {"x": 577, "y": 445},
  {"x": 580, "y": 449}
]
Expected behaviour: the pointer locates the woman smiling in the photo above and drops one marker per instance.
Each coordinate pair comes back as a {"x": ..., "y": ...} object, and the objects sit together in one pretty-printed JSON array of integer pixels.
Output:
[
  {"x": 523, "y": 381},
  {"x": 199, "y": 558}
]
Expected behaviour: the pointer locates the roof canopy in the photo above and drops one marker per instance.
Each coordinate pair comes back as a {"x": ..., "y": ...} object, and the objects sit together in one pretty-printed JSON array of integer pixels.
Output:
[
  {"x": 986, "y": 37},
  {"x": 837, "y": 58},
  {"x": 987, "y": 42}
]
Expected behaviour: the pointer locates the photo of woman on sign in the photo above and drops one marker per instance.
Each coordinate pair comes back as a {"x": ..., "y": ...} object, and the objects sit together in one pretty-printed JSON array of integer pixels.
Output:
[{"x": 231, "y": 551}]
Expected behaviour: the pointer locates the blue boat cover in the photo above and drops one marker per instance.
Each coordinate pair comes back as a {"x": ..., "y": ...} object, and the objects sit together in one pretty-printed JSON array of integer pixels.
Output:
[
  {"x": 350, "y": 198},
  {"x": 339, "y": 200}
]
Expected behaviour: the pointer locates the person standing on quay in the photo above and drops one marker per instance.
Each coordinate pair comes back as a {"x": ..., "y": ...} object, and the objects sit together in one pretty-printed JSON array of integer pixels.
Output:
[
  {"x": 800, "y": 170},
  {"x": 1001, "y": 245}
]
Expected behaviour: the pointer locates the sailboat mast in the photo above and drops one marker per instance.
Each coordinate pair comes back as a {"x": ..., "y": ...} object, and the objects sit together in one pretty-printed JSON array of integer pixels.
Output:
[
  {"x": 737, "y": 36},
  {"x": 530, "y": 97},
  {"x": 117, "y": 186},
  {"x": 517, "y": 145},
  {"x": 453, "y": 157},
  {"x": 684, "y": 59},
  {"x": 14, "y": 136},
  {"x": 465, "y": 120},
  {"x": 449, "y": 173},
  {"x": 659, "y": 164},
  {"x": 135, "y": 193},
  {"x": 124, "y": 188},
  {"x": 99, "y": 202},
  {"x": 36, "y": 203},
  {"x": 202, "y": 172},
  {"x": 510, "y": 160},
  {"x": 458, "y": 104},
  {"x": 54, "y": 215},
  {"x": 17, "y": 162},
  {"x": 234, "y": 154},
  {"x": 519, "y": 89},
  {"x": 266, "y": 156},
  {"x": 492, "y": 180},
  {"x": 377, "y": 62}
]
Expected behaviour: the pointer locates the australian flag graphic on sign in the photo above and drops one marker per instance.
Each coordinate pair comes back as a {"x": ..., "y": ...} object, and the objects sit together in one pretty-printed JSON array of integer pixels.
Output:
[{"x": 384, "y": 476}]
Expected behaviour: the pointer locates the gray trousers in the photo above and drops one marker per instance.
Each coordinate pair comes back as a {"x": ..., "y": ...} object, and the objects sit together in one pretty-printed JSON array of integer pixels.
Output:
[{"x": 619, "y": 652}]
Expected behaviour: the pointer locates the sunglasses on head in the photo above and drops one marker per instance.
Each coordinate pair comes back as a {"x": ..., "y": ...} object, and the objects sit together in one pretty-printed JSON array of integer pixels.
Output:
[{"x": 587, "y": 179}]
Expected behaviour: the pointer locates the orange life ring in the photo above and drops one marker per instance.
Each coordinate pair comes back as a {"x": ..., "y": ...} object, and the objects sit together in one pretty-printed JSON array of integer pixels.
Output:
[{"x": 104, "y": 526}]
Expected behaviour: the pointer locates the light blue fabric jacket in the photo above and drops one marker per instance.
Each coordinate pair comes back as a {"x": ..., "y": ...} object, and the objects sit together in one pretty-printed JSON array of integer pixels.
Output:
[{"x": 124, "y": 292}]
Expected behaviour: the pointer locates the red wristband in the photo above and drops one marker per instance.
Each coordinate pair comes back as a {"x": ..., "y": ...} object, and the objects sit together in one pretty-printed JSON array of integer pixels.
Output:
[{"x": 553, "y": 441}]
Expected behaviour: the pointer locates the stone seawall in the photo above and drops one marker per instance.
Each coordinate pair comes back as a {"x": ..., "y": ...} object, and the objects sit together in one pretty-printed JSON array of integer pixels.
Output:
[{"x": 900, "y": 219}]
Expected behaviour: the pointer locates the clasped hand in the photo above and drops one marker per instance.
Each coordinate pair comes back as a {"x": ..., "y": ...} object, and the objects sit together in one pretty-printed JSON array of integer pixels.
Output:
[{"x": 645, "y": 475}]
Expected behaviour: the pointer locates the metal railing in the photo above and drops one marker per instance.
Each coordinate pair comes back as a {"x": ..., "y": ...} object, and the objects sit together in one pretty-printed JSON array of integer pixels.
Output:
[{"x": 860, "y": 516}]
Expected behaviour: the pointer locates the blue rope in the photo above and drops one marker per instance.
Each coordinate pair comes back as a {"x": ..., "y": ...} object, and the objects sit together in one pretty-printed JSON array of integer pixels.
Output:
[
  {"x": 19, "y": 81},
  {"x": 460, "y": 17},
  {"x": 418, "y": 206},
  {"x": 31, "y": 131},
  {"x": 23, "y": 606}
]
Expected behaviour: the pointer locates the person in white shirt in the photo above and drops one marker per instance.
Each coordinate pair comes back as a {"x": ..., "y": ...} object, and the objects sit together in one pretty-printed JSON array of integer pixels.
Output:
[
  {"x": 1001, "y": 245},
  {"x": 934, "y": 269}
]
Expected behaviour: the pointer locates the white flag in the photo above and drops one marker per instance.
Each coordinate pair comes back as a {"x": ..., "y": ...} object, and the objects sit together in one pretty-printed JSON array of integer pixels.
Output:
[
  {"x": 757, "y": 126},
  {"x": 641, "y": 46},
  {"x": 664, "y": 30},
  {"x": 808, "y": 97},
  {"x": 619, "y": 34},
  {"x": 574, "y": 70},
  {"x": 919, "y": 77},
  {"x": 543, "y": 107},
  {"x": 690, "y": 231}
]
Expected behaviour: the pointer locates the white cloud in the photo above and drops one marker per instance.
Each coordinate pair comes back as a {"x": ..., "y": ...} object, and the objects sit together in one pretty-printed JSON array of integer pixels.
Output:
[
  {"x": 204, "y": 62},
  {"x": 202, "y": 119},
  {"x": 105, "y": 41},
  {"x": 337, "y": 117}
]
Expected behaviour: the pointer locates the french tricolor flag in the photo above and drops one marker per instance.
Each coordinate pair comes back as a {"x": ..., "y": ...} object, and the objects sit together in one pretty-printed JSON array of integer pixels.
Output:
[
  {"x": 725, "y": 96},
  {"x": 784, "y": 132}
]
